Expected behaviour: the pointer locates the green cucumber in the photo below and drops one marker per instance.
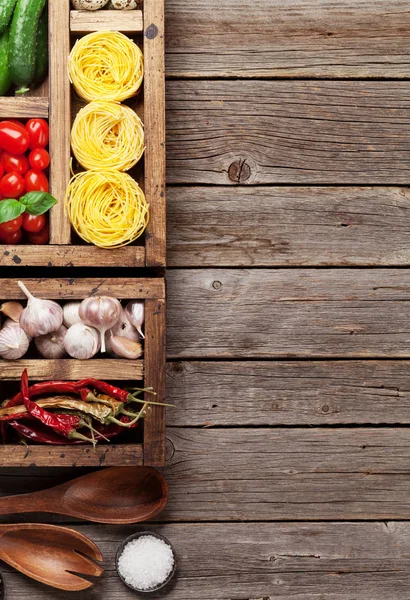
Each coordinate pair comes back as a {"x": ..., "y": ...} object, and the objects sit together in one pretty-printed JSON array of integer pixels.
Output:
[
  {"x": 42, "y": 48},
  {"x": 5, "y": 79},
  {"x": 23, "y": 40},
  {"x": 6, "y": 10}
]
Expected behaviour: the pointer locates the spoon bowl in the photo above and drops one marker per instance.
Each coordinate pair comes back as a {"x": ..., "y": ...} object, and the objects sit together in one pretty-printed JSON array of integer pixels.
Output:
[
  {"x": 53, "y": 555},
  {"x": 117, "y": 495}
]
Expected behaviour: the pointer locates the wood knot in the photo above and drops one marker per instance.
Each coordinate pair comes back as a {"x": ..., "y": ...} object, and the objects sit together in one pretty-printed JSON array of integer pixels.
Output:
[
  {"x": 239, "y": 171},
  {"x": 217, "y": 285},
  {"x": 151, "y": 32}
]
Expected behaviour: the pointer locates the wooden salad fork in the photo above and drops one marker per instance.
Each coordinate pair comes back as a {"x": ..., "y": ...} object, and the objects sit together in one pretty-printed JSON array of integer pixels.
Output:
[{"x": 54, "y": 555}]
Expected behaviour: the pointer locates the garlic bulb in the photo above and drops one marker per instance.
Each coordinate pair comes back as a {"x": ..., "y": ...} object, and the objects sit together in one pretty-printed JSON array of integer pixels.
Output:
[
  {"x": 14, "y": 341},
  {"x": 125, "y": 348},
  {"x": 51, "y": 345},
  {"x": 81, "y": 341},
  {"x": 122, "y": 328},
  {"x": 135, "y": 313},
  {"x": 101, "y": 312},
  {"x": 70, "y": 314},
  {"x": 40, "y": 316},
  {"x": 12, "y": 310}
]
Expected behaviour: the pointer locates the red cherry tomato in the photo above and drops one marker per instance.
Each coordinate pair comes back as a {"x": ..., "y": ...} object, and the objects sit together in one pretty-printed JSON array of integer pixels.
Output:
[
  {"x": 33, "y": 223},
  {"x": 1, "y": 169},
  {"x": 11, "y": 226},
  {"x": 14, "y": 163},
  {"x": 35, "y": 181},
  {"x": 40, "y": 238},
  {"x": 16, "y": 122},
  {"x": 12, "y": 185},
  {"x": 39, "y": 133},
  {"x": 39, "y": 159},
  {"x": 13, "y": 137},
  {"x": 11, "y": 237}
]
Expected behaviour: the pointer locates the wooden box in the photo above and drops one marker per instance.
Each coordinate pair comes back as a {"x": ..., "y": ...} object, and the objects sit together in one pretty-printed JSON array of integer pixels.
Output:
[
  {"x": 149, "y": 371},
  {"x": 55, "y": 100}
]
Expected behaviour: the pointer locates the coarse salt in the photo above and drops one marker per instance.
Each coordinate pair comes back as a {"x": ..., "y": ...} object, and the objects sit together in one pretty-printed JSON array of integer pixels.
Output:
[{"x": 146, "y": 562}]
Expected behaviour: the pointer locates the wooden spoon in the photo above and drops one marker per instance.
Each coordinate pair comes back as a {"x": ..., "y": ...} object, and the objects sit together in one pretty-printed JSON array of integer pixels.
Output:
[
  {"x": 53, "y": 555},
  {"x": 116, "y": 495}
]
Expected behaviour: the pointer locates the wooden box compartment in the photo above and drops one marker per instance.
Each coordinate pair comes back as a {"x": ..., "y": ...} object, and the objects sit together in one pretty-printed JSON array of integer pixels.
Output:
[
  {"x": 56, "y": 101},
  {"x": 148, "y": 447}
]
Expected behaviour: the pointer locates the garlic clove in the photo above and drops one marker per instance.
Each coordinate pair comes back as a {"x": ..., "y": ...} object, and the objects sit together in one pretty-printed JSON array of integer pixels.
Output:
[
  {"x": 101, "y": 312},
  {"x": 125, "y": 348},
  {"x": 14, "y": 342},
  {"x": 70, "y": 314},
  {"x": 81, "y": 341},
  {"x": 12, "y": 310},
  {"x": 40, "y": 316},
  {"x": 51, "y": 345},
  {"x": 135, "y": 312}
]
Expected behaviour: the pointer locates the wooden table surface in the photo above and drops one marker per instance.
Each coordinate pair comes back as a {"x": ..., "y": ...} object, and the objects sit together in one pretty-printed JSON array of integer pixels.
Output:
[{"x": 289, "y": 326}]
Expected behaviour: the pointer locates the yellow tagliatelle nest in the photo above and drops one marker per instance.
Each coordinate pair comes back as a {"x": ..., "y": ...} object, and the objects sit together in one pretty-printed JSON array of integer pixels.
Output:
[
  {"x": 106, "y": 65},
  {"x": 107, "y": 135},
  {"x": 106, "y": 208}
]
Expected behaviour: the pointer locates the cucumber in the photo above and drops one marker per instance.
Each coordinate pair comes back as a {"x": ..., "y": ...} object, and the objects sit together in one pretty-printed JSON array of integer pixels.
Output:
[
  {"x": 42, "y": 48},
  {"x": 6, "y": 10},
  {"x": 5, "y": 79},
  {"x": 23, "y": 40}
]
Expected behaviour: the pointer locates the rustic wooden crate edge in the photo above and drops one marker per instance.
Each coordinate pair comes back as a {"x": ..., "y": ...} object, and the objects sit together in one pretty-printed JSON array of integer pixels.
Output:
[{"x": 151, "y": 368}]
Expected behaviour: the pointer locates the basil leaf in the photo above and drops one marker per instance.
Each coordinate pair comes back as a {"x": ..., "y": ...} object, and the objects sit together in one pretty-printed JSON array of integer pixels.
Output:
[
  {"x": 10, "y": 209},
  {"x": 37, "y": 203}
]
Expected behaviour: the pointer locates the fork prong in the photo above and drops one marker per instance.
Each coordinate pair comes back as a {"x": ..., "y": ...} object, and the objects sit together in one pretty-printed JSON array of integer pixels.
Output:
[{"x": 87, "y": 566}]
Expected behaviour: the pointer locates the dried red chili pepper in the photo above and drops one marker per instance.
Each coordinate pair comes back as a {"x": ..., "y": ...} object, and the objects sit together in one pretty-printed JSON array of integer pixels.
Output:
[
  {"x": 50, "y": 387},
  {"x": 39, "y": 433}
]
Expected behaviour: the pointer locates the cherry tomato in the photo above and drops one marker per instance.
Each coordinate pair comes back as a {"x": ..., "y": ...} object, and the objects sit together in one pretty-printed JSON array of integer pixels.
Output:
[
  {"x": 12, "y": 185},
  {"x": 40, "y": 238},
  {"x": 13, "y": 137},
  {"x": 14, "y": 163},
  {"x": 11, "y": 237},
  {"x": 1, "y": 170},
  {"x": 39, "y": 159},
  {"x": 39, "y": 133},
  {"x": 33, "y": 223},
  {"x": 35, "y": 181},
  {"x": 11, "y": 226},
  {"x": 16, "y": 122}
]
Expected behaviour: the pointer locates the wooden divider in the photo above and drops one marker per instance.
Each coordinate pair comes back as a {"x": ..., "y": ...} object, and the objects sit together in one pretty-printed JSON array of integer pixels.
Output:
[{"x": 60, "y": 116}]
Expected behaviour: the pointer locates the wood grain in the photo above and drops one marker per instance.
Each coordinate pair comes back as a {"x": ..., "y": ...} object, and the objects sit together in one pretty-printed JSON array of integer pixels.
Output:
[
  {"x": 12, "y": 455},
  {"x": 303, "y": 132},
  {"x": 287, "y": 313},
  {"x": 71, "y": 256},
  {"x": 154, "y": 422},
  {"x": 14, "y": 107},
  {"x": 45, "y": 370},
  {"x": 84, "y": 21},
  {"x": 288, "y": 226},
  {"x": 296, "y": 38},
  {"x": 341, "y": 561},
  {"x": 154, "y": 127},
  {"x": 267, "y": 474},
  {"x": 81, "y": 288},
  {"x": 288, "y": 393}
]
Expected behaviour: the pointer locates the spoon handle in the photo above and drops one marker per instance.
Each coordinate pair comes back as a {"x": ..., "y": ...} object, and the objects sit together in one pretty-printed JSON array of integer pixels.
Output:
[{"x": 24, "y": 503}]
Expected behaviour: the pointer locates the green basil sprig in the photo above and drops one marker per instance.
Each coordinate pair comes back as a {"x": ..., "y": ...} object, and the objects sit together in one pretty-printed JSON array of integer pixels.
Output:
[{"x": 34, "y": 203}]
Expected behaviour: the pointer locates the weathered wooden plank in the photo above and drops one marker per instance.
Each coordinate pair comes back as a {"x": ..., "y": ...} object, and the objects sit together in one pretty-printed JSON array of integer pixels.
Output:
[
  {"x": 72, "y": 256},
  {"x": 45, "y": 370},
  {"x": 80, "y": 288},
  {"x": 83, "y": 21},
  {"x": 288, "y": 393},
  {"x": 288, "y": 313},
  {"x": 270, "y": 132},
  {"x": 60, "y": 117},
  {"x": 337, "y": 561},
  {"x": 273, "y": 474},
  {"x": 23, "y": 107},
  {"x": 296, "y": 38},
  {"x": 288, "y": 226}
]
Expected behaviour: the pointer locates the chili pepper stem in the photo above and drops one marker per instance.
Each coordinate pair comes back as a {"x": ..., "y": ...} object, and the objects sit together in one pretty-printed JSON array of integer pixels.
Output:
[
  {"x": 74, "y": 435},
  {"x": 149, "y": 390},
  {"x": 134, "y": 399},
  {"x": 131, "y": 423},
  {"x": 91, "y": 428}
]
